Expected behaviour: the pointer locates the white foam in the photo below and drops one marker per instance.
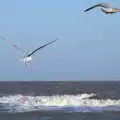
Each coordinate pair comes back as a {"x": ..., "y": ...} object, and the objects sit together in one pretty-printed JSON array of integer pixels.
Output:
[{"x": 30, "y": 103}]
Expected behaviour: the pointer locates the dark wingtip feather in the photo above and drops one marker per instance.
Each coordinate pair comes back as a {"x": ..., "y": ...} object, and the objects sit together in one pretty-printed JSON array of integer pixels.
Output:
[{"x": 97, "y": 5}]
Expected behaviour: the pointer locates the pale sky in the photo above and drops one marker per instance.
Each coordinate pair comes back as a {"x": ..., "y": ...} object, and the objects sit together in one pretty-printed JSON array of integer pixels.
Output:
[{"x": 88, "y": 45}]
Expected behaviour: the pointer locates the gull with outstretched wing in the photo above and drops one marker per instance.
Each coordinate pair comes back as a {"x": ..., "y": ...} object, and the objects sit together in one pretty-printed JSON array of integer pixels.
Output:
[
  {"x": 27, "y": 56},
  {"x": 105, "y": 8}
]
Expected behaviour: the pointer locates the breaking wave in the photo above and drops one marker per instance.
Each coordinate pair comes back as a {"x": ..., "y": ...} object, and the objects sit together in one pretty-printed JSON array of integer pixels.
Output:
[{"x": 66, "y": 103}]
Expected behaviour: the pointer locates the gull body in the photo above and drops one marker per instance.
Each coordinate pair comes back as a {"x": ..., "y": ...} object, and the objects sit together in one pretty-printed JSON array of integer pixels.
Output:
[
  {"x": 110, "y": 10},
  {"x": 26, "y": 59},
  {"x": 105, "y": 8}
]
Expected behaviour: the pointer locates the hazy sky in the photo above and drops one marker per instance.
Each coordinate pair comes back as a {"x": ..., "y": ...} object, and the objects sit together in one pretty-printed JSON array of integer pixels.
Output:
[{"x": 88, "y": 45}]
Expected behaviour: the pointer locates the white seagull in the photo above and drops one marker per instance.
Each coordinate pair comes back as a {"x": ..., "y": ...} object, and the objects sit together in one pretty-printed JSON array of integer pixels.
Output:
[
  {"x": 105, "y": 8},
  {"x": 27, "y": 56}
]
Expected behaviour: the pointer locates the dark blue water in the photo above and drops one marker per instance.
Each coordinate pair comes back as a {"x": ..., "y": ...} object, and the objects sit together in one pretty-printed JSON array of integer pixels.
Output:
[{"x": 59, "y": 100}]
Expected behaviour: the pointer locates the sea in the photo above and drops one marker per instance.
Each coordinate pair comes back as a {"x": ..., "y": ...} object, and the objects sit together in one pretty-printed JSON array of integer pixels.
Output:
[{"x": 60, "y": 100}]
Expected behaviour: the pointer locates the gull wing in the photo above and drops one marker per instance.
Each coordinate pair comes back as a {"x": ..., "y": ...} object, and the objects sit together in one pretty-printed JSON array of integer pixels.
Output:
[
  {"x": 98, "y": 5},
  {"x": 41, "y": 47},
  {"x": 12, "y": 44}
]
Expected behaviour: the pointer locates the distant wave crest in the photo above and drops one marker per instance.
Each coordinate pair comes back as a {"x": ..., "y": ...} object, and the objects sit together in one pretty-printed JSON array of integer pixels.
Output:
[{"x": 67, "y": 103}]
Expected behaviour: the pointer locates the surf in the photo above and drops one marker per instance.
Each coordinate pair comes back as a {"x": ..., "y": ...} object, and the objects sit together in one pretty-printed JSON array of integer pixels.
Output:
[{"x": 67, "y": 103}]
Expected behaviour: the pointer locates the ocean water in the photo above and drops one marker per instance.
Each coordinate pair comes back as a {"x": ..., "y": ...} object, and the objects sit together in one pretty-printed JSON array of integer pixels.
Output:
[{"x": 48, "y": 100}]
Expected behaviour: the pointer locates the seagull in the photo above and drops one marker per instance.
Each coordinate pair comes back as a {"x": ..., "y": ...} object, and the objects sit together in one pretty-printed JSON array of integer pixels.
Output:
[
  {"x": 105, "y": 8},
  {"x": 27, "y": 56}
]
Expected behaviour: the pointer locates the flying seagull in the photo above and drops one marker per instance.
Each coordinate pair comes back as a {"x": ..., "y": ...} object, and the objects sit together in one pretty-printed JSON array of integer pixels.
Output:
[
  {"x": 27, "y": 56},
  {"x": 105, "y": 8}
]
